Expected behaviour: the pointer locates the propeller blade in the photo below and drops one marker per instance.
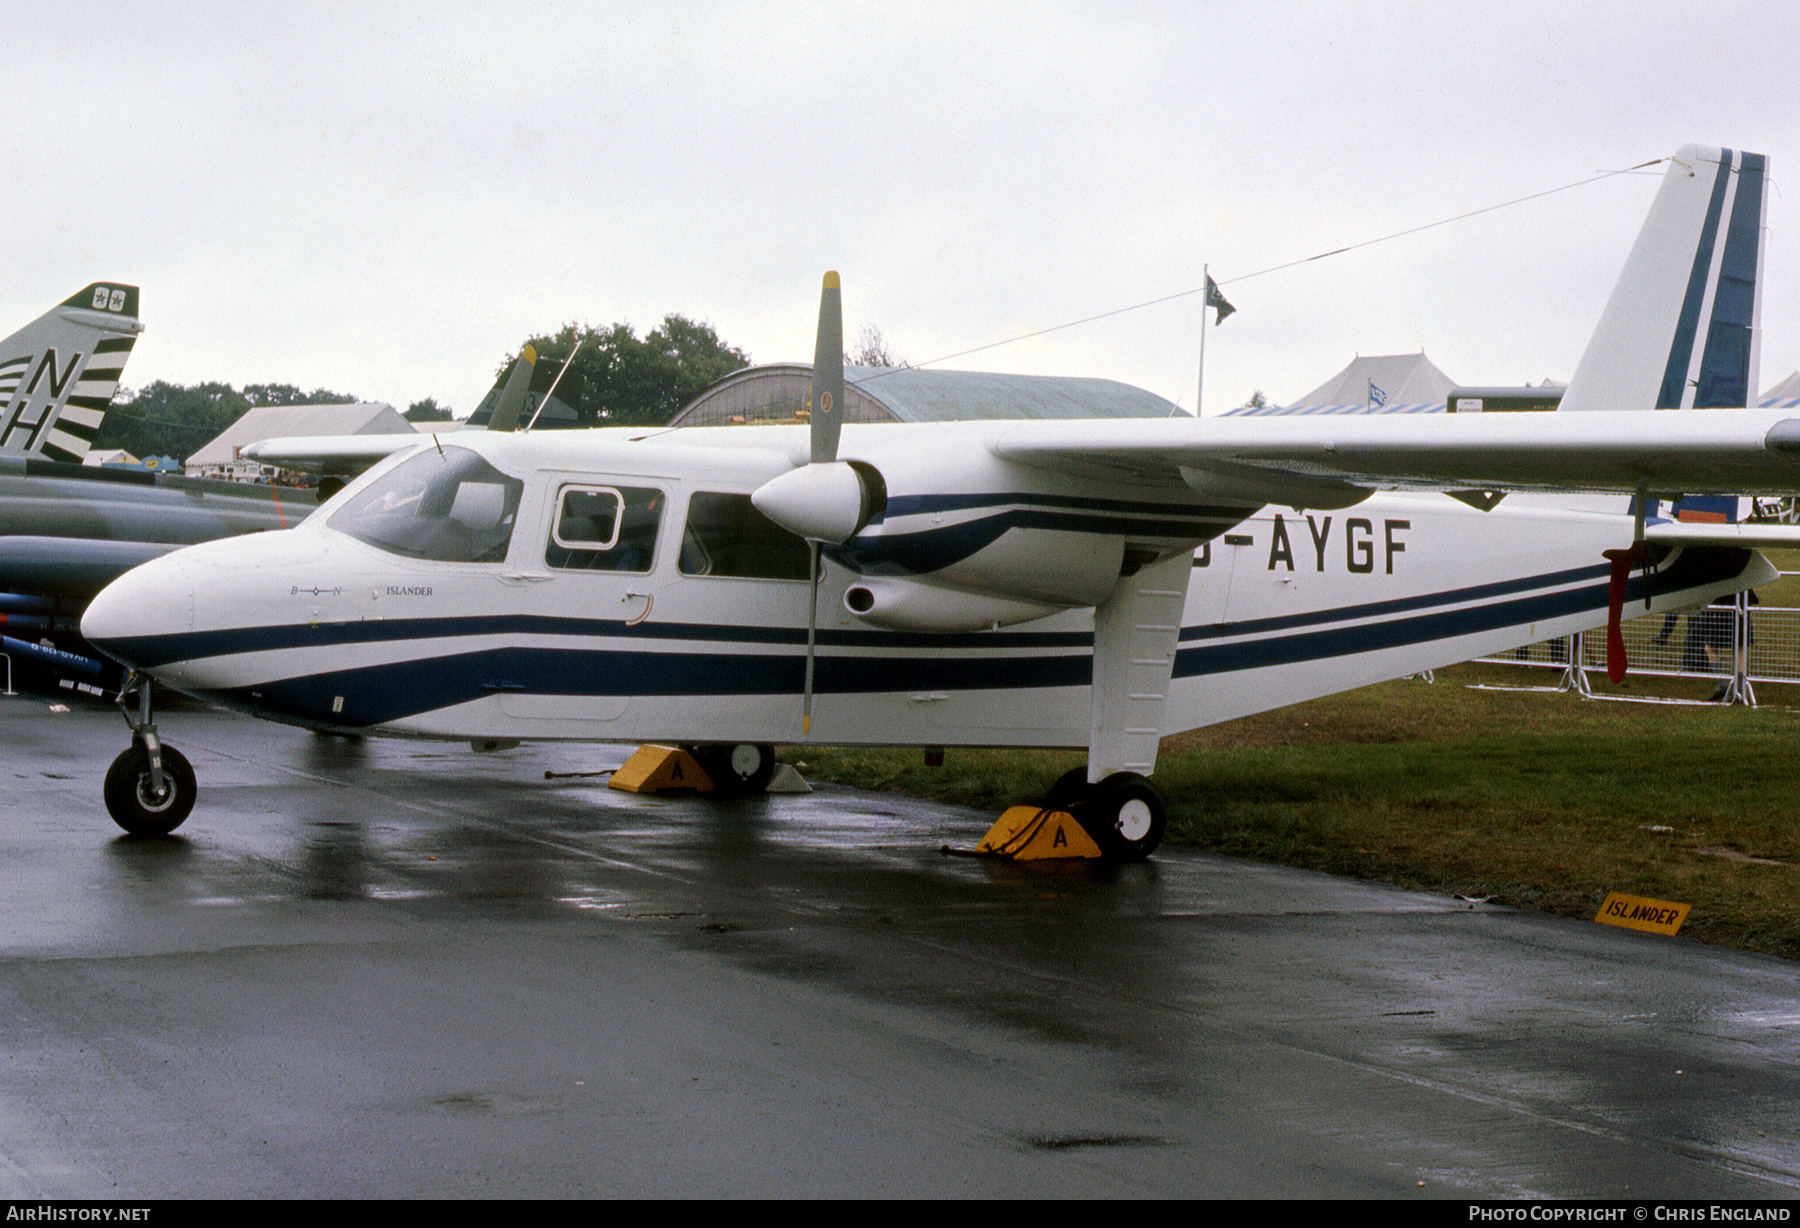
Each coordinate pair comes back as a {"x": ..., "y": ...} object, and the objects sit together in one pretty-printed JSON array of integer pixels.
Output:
[
  {"x": 825, "y": 406},
  {"x": 825, "y": 400},
  {"x": 825, "y": 500},
  {"x": 512, "y": 397},
  {"x": 1622, "y": 562}
]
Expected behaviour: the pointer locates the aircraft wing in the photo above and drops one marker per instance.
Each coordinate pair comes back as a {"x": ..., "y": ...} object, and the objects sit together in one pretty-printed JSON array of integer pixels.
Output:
[
  {"x": 341, "y": 454},
  {"x": 1310, "y": 461}
]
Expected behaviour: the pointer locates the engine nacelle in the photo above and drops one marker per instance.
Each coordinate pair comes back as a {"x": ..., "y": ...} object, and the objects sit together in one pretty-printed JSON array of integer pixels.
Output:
[
  {"x": 1052, "y": 566},
  {"x": 953, "y": 515},
  {"x": 913, "y": 605}
]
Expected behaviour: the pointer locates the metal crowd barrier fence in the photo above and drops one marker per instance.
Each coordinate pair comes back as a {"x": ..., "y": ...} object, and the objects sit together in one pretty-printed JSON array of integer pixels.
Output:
[{"x": 1737, "y": 646}]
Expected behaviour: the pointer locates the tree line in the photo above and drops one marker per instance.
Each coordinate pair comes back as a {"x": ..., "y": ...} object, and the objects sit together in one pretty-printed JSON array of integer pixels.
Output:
[
  {"x": 618, "y": 379},
  {"x": 164, "y": 419}
]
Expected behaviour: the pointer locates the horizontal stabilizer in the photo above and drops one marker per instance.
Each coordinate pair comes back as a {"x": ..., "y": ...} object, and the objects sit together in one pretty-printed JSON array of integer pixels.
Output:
[{"x": 1751, "y": 536}]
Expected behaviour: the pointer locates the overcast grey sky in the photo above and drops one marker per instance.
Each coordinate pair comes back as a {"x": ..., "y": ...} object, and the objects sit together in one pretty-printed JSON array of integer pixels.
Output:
[{"x": 386, "y": 203}]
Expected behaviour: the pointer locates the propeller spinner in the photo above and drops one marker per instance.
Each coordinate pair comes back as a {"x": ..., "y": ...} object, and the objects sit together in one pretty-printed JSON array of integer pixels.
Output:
[{"x": 826, "y": 501}]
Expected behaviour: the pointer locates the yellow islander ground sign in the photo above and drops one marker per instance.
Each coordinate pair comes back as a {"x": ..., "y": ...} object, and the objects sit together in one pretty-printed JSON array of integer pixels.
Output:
[{"x": 1634, "y": 912}]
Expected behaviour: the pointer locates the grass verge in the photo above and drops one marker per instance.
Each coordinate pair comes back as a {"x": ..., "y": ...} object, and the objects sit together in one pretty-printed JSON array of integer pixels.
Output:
[{"x": 1539, "y": 800}]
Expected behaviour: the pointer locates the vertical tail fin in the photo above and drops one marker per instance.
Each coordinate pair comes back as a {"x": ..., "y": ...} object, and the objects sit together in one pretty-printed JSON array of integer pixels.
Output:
[
  {"x": 1683, "y": 328},
  {"x": 58, "y": 373}
]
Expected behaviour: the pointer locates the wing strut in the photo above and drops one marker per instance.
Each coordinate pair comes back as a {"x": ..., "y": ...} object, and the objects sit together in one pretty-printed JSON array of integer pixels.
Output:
[{"x": 1137, "y": 630}]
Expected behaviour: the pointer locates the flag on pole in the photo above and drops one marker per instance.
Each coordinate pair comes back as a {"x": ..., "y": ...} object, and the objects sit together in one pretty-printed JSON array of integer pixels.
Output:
[
  {"x": 1217, "y": 301},
  {"x": 1376, "y": 395}
]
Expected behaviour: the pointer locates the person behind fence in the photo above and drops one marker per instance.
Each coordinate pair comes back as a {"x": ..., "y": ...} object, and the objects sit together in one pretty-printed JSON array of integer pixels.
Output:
[
  {"x": 1668, "y": 625},
  {"x": 1712, "y": 635}
]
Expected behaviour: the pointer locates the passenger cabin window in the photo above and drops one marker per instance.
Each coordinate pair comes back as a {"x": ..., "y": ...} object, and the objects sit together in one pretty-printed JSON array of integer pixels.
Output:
[
  {"x": 726, "y": 536},
  {"x": 604, "y": 528},
  {"x": 445, "y": 504}
]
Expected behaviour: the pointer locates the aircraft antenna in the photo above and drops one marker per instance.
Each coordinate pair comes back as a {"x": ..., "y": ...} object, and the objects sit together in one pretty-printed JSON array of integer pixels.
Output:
[{"x": 1208, "y": 286}]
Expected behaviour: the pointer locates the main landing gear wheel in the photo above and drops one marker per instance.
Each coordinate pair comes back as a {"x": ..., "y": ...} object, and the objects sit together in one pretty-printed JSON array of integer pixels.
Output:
[
  {"x": 736, "y": 769},
  {"x": 134, "y": 802},
  {"x": 1123, "y": 813},
  {"x": 1069, "y": 789}
]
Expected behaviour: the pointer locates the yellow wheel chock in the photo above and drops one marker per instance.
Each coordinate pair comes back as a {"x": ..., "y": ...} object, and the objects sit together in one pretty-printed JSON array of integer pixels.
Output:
[
  {"x": 1034, "y": 833},
  {"x": 661, "y": 769}
]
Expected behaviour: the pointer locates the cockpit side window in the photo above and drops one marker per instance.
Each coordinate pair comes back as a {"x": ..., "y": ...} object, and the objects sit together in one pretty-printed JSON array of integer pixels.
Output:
[
  {"x": 605, "y": 528},
  {"x": 445, "y": 504},
  {"x": 726, "y": 536}
]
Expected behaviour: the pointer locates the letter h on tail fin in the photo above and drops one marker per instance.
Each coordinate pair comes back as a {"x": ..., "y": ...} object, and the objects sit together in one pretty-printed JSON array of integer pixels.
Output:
[{"x": 58, "y": 373}]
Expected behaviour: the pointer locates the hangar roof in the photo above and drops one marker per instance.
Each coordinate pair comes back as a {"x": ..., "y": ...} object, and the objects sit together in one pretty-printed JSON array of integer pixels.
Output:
[{"x": 907, "y": 394}]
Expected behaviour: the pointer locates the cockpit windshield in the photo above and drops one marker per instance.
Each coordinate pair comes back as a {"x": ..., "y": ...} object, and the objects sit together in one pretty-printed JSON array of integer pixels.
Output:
[{"x": 445, "y": 504}]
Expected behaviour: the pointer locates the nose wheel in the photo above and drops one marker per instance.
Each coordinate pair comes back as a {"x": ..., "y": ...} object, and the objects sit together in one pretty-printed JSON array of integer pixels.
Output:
[
  {"x": 150, "y": 788},
  {"x": 137, "y": 803}
]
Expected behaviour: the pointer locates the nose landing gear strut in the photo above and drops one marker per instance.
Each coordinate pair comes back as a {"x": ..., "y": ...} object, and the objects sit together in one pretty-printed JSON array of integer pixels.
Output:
[{"x": 150, "y": 788}]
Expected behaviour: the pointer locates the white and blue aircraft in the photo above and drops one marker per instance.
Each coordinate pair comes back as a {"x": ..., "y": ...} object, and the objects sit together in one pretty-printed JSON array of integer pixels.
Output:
[{"x": 1049, "y": 584}]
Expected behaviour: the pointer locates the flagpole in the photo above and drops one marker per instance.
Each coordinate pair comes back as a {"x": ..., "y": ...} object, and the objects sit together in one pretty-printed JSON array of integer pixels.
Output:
[{"x": 1200, "y": 387}]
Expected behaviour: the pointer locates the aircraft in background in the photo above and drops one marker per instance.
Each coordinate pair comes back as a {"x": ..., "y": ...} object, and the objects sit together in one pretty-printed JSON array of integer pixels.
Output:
[
  {"x": 67, "y": 530},
  {"x": 523, "y": 397},
  {"x": 1054, "y": 583}
]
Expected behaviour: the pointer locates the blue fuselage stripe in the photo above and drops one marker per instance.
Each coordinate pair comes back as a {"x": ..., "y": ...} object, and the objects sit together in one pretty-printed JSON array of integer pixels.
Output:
[
  {"x": 1390, "y": 633},
  {"x": 1399, "y": 605}
]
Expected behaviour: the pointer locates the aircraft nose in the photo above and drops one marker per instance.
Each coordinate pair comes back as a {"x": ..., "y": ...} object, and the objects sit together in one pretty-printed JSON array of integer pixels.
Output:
[{"x": 136, "y": 613}]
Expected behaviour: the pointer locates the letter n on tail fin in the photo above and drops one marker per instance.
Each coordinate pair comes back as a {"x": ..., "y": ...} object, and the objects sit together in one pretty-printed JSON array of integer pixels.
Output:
[
  {"x": 1683, "y": 327},
  {"x": 58, "y": 373}
]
